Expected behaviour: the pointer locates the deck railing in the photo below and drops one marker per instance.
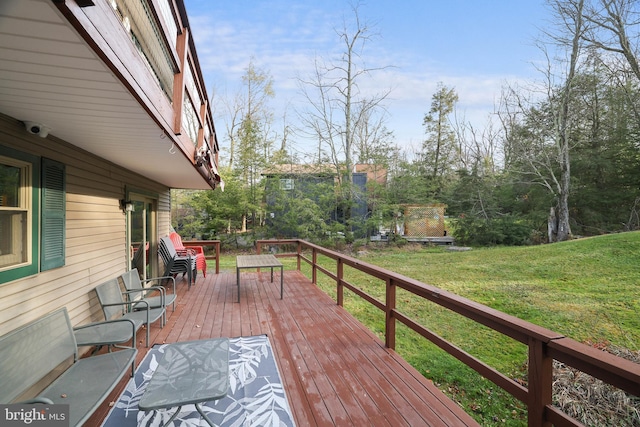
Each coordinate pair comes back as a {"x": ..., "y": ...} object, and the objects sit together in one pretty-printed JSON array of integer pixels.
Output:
[{"x": 544, "y": 346}]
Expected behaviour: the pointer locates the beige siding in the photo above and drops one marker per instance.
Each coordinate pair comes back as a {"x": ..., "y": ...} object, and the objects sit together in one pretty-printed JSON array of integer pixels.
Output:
[
  {"x": 164, "y": 214},
  {"x": 95, "y": 232}
]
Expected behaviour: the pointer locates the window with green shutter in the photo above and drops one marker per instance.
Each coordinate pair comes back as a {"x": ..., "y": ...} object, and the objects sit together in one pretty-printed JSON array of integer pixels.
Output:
[{"x": 53, "y": 215}]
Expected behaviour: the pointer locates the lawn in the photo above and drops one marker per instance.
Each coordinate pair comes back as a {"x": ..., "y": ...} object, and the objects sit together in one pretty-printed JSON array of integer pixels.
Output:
[{"x": 586, "y": 289}]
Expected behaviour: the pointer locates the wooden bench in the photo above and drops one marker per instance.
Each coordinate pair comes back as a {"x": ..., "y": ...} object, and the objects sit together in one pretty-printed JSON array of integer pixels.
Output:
[{"x": 39, "y": 364}]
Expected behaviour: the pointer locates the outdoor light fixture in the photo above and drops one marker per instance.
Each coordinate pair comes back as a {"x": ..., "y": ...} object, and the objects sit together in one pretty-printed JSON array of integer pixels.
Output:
[{"x": 126, "y": 205}]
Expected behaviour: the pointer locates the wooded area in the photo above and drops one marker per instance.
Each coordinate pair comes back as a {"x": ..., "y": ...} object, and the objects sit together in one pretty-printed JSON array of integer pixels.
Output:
[{"x": 560, "y": 157}]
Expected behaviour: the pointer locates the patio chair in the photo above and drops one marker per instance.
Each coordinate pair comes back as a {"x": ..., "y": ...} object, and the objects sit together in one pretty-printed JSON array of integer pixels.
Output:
[
  {"x": 197, "y": 251},
  {"x": 114, "y": 306},
  {"x": 175, "y": 263},
  {"x": 154, "y": 296}
]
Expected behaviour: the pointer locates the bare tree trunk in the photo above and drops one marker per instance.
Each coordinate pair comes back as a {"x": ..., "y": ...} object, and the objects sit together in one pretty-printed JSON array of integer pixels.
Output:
[{"x": 575, "y": 18}]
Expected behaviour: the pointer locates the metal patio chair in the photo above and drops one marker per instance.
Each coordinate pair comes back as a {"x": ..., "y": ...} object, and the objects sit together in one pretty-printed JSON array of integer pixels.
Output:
[
  {"x": 175, "y": 263},
  {"x": 155, "y": 296},
  {"x": 114, "y": 306}
]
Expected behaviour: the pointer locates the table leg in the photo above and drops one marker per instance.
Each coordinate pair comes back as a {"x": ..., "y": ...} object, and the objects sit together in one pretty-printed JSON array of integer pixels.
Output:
[
  {"x": 281, "y": 281},
  {"x": 204, "y": 416},
  {"x": 271, "y": 274},
  {"x": 238, "y": 281},
  {"x": 172, "y": 417}
]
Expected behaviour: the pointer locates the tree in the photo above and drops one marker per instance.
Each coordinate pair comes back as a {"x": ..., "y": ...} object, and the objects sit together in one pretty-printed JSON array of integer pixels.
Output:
[
  {"x": 254, "y": 143},
  {"x": 609, "y": 30},
  {"x": 211, "y": 213},
  {"x": 337, "y": 112},
  {"x": 571, "y": 16},
  {"x": 539, "y": 143},
  {"x": 439, "y": 151},
  {"x": 300, "y": 211}
]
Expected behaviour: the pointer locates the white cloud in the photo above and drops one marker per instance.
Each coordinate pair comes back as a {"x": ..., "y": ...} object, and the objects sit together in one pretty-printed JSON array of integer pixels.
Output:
[{"x": 286, "y": 44}]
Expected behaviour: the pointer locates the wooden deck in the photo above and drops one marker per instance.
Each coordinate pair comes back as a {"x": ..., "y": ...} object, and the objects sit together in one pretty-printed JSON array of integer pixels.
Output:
[{"x": 335, "y": 371}]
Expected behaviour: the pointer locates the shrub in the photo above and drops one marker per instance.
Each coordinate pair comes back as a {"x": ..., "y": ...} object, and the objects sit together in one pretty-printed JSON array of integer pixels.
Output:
[{"x": 507, "y": 230}]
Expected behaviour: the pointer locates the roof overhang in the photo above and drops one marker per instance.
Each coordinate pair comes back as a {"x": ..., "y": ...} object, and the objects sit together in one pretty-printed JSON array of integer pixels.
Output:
[{"x": 50, "y": 75}]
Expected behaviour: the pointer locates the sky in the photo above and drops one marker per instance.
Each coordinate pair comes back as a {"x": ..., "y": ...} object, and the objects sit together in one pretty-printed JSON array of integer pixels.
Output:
[{"x": 473, "y": 46}]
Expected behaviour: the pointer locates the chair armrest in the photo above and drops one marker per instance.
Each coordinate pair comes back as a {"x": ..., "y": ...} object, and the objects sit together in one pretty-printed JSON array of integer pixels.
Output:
[
  {"x": 145, "y": 292},
  {"x": 105, "y": 322},
  {"x": 128, "y": 303},
  {"x": 160, "y": 279}
]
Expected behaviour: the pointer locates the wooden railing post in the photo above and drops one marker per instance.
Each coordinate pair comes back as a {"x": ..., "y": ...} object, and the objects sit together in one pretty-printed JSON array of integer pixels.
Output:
[
  {"x": 340, "y": 287},
  {"x": 540, "y": 383},
  {"x": 299, "y": 253},
  {"x": 390, "y": 329}
]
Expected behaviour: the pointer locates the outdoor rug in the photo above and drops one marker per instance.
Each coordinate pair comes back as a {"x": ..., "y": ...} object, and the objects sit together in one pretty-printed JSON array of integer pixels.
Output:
[{"x": 256, "y": 396}]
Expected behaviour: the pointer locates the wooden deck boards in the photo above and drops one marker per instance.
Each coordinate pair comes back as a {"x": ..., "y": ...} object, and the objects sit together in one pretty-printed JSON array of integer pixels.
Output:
[{"x": 335, "y": 371}]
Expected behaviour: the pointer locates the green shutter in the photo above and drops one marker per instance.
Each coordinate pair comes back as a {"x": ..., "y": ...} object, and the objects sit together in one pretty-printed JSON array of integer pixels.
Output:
[{"x": 53, "y": 215}]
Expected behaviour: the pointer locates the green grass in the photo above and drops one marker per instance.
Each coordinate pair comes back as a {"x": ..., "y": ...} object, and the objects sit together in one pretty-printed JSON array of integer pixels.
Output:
[{"x": 586, "y": 289}]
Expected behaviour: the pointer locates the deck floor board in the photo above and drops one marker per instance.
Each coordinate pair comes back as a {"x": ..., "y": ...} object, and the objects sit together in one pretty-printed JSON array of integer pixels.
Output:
[{"x": 335, "y": 371}]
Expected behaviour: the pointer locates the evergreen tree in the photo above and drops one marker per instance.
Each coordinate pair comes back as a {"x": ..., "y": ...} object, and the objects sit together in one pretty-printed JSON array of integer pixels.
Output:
[{"x": 439, "y": 150}]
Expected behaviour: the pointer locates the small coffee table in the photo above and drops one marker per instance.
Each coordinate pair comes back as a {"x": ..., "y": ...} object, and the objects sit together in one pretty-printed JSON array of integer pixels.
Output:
[
  {"x": 190, "y": 372},
  {"x": 258, "y": 261}
]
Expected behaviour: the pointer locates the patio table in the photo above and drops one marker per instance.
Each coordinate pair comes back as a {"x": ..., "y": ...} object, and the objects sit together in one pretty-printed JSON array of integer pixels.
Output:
[
  {"x": 259, "y": 261},
  {"x": 190, "y": 372}
]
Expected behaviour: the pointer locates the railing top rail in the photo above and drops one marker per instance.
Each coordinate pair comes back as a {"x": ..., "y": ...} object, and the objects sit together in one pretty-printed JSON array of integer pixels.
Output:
[{"x": 617, "y": 371}]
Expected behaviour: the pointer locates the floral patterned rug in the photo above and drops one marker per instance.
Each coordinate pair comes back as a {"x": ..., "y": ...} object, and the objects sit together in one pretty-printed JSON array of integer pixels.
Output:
[{"x": 256, "y": 396}]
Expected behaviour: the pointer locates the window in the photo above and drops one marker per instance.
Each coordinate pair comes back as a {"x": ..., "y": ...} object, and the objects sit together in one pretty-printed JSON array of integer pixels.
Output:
[
  {"x": 286, "y": 184},
  {"x": 19, "y": 214},
  {"x": 15, "y": 190}
]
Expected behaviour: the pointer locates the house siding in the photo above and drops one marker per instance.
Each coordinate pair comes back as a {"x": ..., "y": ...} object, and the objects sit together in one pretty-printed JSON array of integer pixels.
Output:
[{"x": 95, "y": 243}]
